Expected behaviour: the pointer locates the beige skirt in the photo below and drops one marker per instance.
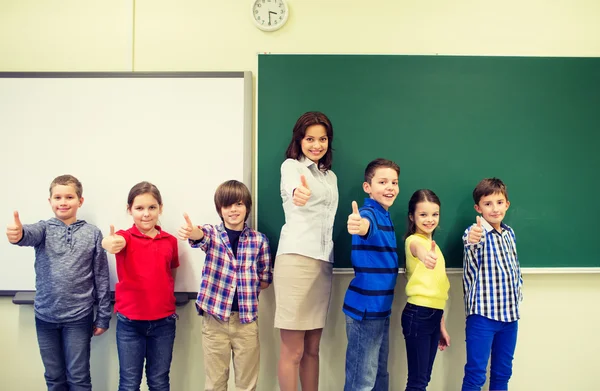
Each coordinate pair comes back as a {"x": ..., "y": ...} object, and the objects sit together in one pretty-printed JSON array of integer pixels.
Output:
[{"x": 302, "y": 292}]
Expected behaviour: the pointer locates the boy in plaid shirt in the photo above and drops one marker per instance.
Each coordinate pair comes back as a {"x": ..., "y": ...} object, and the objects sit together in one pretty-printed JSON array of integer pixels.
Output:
[{"x": 237, "y": 267}]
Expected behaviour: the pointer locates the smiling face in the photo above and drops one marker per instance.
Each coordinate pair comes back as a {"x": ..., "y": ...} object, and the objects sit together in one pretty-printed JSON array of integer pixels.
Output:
[
  {"x": 234, "y": 216},
  {"x": 65, "y": 203},
  {"x": 383, "y": 187},
  {"x": 493, "y": 208},
  {"x": 315, "y": 142},
  {"x": 145, "y": 211},
  {"x": 426, "y": 218}
]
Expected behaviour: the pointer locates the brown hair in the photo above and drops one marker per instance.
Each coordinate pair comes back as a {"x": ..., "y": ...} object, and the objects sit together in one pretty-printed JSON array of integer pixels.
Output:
[
  {"x": 294, "y": 150},
  {"x": 489, "y": 186},
  {"x": 143, "y": 188},
  {"x": 423, "y": 195},
  {"x": 230, "y": 192},
  {"x": 66, "y": 180},
  {"x": 379, "y": 163}
]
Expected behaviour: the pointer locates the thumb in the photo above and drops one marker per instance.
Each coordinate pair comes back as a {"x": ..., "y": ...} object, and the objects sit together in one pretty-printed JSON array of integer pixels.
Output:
[
  {"x": 187, "y": 220},
  {"x": 303, "y": 181},
  {"x": 112, "y": 229},
  {"x": 355, "y": 208},
  {"x": 17, "y": 220},
  {"x": 479, "y": 221},
  {"x": 433, "y": 245}
]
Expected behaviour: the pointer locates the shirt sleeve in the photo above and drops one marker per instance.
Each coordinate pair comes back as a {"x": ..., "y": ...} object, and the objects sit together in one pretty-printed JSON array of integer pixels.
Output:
[
  {"x": 472, "y": 250},
  {"x": 33, "y": 234},
  {"x": 265, "y": 274},
  {"x": 175, "y": 260},
  {"x": 368, "y": 214},
  {"x": 203, "y": 243},
  {"x": 290, "y": 176},
  {"x": 101, "y": 284}
]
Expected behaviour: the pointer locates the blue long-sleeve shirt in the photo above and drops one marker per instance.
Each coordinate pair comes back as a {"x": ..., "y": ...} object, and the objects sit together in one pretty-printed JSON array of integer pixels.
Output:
[{"x": 71, "y": 271}]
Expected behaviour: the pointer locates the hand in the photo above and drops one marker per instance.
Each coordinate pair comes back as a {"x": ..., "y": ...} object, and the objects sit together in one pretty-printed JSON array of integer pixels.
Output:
[
  {"x": 113, "y": 243},
  {"x": 354, "y": 220},
  {"x": 476, "y": 232},
  {"x": 444, "y": 340},
  {"x": 301, "y": 193},
  {"x": 14, "y": 231},
  {"x": 98, "y": 331},
  {"x": 185, "y": 230},
  {"x": 430, "y": 259},
  {"x": 189, "y": 231}
]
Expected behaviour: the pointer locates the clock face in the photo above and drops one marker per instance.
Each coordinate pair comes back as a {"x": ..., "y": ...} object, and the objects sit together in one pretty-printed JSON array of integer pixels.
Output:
[{"x": 269, "y": 15}]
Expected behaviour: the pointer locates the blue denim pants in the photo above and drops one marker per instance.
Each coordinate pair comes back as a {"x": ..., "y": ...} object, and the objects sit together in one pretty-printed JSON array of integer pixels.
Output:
[
  {"x": 367, "y": 354},
  {"x": 421, "y": 329},
  {"x": 150, "y": 340},
  {"x": 65, "y": 351},
  {"x": 485, "y": 336}
]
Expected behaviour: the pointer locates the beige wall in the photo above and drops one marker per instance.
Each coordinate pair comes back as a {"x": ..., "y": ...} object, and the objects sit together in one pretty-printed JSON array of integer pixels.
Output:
[{"x": 557, "y": 347}]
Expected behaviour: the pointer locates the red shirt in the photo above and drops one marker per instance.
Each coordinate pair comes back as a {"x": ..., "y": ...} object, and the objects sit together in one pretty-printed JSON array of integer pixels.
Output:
[{"x": 145, "y": 290}]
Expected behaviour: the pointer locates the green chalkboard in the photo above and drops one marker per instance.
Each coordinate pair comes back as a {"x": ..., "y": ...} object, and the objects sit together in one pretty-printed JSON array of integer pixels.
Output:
[{"x": 448, "y": 121}]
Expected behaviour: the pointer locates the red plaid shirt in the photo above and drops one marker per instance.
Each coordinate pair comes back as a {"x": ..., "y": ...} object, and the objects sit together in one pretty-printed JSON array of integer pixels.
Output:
[{"x": 222, "y": 272}]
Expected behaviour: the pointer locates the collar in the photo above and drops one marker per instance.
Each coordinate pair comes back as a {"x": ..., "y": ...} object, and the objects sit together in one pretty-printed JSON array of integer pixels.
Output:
[
  {"x": 221, "y": 228},
  {"x": 307, "y": 162},
  {"x": 488, "y": 227},
  {"x": 136, "y": 232},
  {"x": 375, "y": 205},
  {"x": 57, "y": 222}
]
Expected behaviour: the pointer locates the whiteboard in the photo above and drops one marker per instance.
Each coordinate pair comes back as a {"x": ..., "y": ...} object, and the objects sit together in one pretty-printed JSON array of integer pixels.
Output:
[{"x": 184, "y": 132}]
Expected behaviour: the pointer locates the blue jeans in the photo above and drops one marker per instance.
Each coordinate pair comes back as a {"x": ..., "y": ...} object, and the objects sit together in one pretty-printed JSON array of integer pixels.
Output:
[
  {"x": 151, "y": 340},
  {"x": 65, "y": 351},
  {"x": 421, "y": 329},
  {"x": 367, "y": 354},
  {"x": 484, "y": 336}
]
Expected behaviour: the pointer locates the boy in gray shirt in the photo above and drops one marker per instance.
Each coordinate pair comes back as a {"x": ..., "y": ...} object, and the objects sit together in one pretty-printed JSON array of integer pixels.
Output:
[{"x": 71, "y": 271}]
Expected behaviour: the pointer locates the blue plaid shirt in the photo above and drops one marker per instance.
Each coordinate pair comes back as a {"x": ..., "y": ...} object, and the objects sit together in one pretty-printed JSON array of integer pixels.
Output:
[
  {"x": 223, "y": 273},
  {"x": 492, "y": 280}
]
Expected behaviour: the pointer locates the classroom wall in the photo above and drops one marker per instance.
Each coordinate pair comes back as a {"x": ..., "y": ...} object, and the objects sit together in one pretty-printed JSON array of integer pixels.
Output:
[{"x": 557, "y": 347}]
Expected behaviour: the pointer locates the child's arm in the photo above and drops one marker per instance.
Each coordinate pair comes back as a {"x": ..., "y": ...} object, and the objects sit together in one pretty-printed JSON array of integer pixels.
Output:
[
  {"x": 444, "y": 337},
  {"x": 102, "y": 287},
  {"x": 263, "y": 264},
  {"x": 189, "y": 231},
  {"x": 30, "y": 235},
  {"x": 427, "y": 256},
  {"x": 357, "y": 225}
]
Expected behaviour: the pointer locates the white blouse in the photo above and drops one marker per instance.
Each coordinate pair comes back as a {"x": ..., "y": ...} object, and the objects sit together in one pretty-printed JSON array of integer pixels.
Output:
[{"x": 308, "y": 229}]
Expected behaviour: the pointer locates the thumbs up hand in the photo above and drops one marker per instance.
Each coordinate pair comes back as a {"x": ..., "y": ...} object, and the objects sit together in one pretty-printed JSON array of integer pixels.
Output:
[
  {"x": 476, "y": 232},
  {"x": 354, "y": 220},
  {"x": 189, "y": 231},
  {"x": 14, "y": 231},
  {"x": 113, "y": 243},
  {"x": 430, "y": 258},
  {"x": 301, "y": 193}
]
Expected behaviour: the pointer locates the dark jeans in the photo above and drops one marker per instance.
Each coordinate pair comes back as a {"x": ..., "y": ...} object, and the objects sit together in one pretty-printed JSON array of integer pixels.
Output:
[
  {"x": 484, "y": 337},
  {"x": 65, "y": 351},
  {"x": 151, "y": 340},
  {"x": 421, "y": 329},
  {"x": 367, "y": 354}
]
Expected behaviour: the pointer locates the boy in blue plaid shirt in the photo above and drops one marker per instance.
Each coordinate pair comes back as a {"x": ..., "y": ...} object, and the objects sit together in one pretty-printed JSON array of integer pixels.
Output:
[
  {"x": 492, "y": 286},
  {"x": 237, "y": 267}
]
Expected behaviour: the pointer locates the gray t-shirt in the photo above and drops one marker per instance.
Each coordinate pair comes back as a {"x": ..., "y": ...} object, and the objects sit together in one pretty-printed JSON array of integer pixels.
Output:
[{"x": 71, "y": 271}]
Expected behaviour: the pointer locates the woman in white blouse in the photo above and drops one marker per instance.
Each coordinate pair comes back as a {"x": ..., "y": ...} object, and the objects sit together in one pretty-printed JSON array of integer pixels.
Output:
[{"x": 304, "y": 262}]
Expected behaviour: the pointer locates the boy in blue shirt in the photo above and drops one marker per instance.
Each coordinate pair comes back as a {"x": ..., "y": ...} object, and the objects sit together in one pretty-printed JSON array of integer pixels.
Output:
[
  {"x": 368, "y": 300},
  {"x": 492, "y": 284},
  {"x": 71, "y": 271}
]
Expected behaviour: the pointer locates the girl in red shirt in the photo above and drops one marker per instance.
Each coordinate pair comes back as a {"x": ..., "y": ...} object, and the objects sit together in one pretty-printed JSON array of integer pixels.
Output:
[{"x": 147, "y": 259}]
